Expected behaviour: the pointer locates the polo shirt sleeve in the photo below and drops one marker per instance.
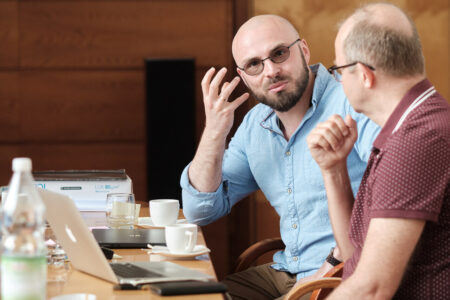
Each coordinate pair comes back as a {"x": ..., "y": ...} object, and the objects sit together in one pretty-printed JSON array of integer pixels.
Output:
[{"x": 411, "y": 175}]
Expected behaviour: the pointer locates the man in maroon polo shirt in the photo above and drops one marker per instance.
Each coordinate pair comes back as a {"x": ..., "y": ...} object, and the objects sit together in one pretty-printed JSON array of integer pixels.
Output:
[{"x": 398, "y": 245}]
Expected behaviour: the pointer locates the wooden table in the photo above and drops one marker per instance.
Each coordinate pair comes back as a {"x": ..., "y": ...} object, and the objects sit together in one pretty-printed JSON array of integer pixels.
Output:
[{"x": 79, "y": 282}]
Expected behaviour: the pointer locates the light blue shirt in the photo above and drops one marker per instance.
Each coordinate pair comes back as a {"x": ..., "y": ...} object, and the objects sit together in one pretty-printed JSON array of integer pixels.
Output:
[{"x": 259, "y": 157}]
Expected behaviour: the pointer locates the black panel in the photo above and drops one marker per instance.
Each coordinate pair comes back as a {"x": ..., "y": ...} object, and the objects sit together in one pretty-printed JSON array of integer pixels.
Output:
[{"x": 170, "y": 87}]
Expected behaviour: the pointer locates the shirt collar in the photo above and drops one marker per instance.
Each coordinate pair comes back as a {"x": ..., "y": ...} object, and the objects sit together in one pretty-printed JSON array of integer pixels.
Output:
[
  {"x": 415, "y": 92},
  {"x": 320, "y": 83}
]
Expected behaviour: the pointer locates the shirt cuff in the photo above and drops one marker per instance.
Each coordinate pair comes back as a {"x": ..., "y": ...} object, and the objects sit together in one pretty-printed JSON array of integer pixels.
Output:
[{"x": 199, "y": 207}]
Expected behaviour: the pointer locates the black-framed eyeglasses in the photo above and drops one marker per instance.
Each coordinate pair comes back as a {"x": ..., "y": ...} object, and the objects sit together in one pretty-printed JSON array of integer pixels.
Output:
[
  {"x": 334, "y": 70},
  {"x": 277, "y": 55}
]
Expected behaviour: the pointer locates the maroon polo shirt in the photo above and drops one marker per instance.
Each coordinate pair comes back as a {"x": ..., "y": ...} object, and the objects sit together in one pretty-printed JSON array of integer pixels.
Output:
[{"x": 408, "y": 176}]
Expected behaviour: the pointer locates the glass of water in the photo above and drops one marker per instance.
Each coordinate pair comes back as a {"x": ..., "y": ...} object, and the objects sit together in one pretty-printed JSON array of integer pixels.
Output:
[
  {"x": 120, "y": 210},
  {"x": 56, "y": 258}
]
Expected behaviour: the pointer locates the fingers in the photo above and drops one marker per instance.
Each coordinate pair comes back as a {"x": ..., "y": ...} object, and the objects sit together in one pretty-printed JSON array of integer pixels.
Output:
[
  {"x": 238, "y": 101},
  {"x": 210, "y": 88},
  {"x": 215, "y": 83},
  {"x": 228, "y": 88},
  {"x": 223, "y": 87},
  {"x": 352, "y": 127},
  {"x": 209, "y": 84},
  {"x": 350, "y": 123},
  {"x": 207, "y": 80},
  {"x": 317, "y": 140},
  {"x": 332, "y": 133}
]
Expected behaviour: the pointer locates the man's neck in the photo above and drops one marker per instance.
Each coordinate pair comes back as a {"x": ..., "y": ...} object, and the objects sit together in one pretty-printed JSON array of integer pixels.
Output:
[
  {"x": 387, "y": 96},
  {"x": 291, "y": 119}
]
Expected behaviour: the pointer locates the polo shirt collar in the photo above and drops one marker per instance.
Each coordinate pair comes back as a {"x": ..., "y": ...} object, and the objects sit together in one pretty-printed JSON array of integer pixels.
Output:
[{"x": 415, "y": 92}]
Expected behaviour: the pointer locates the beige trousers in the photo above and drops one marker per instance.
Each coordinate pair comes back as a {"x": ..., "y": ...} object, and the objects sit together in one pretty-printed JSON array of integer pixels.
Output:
[{"x": 260, "y": 283}]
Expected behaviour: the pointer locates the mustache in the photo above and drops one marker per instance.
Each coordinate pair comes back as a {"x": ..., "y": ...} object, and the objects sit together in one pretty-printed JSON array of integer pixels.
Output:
[{"x": 273, "y": 80}]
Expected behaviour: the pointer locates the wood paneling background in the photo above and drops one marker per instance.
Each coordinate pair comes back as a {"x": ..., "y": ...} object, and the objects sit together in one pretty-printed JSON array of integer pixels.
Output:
[
  {"x": 72, "y": 81},
  {"x": 316, "y": 22}
]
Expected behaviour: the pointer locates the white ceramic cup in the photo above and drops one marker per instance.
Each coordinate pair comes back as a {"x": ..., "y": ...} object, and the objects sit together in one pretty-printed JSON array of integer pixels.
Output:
[
  {"x": 181, "y": 238},
  {"x": 164, "y": 211}
]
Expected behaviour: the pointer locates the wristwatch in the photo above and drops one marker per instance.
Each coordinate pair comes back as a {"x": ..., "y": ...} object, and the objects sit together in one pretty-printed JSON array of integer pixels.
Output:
[{"x": 332, "y": 260}]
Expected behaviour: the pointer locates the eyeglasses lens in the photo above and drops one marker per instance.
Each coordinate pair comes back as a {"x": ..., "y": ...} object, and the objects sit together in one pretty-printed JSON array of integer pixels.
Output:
[
  {"x": 254, "y": 67},
  {"x": 278, "y": 56}
]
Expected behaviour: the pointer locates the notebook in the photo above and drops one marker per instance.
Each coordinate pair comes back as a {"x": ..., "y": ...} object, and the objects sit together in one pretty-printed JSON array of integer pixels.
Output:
[
  {"x": 85, "y": 254},
  {"x": 129, "y": 238}
]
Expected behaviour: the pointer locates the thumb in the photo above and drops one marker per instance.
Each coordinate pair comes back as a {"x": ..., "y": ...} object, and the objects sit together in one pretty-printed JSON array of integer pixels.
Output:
[{"x": 351, "y": 124}]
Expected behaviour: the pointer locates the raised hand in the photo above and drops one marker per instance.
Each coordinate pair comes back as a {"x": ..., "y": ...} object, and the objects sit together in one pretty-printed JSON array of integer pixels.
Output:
[
  {"x": 205, "y": 172},
  {"x": 219, "y": 111},
  {"x": 331, "y": 141}
]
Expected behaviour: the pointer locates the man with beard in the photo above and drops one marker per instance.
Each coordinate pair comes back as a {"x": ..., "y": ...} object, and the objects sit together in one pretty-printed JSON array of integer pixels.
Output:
[{"x": 269, "y": 152}]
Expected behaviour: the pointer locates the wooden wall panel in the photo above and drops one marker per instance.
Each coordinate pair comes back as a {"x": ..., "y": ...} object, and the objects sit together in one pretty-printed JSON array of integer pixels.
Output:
[
  {"x": 121, "y": 33},
  {"x": 432, "y": 19},
  {"x": 82, "y": 106},
  {"x": 102, "y": 156},
  {"x": 9, "y": 106},
  {"x": 9, "y": 39},
  {"x": 7, "y": 153}
]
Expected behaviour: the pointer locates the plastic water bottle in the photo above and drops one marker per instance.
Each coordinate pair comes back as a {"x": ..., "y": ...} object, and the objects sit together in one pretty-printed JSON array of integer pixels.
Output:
[{"x": 23, "y": 258}]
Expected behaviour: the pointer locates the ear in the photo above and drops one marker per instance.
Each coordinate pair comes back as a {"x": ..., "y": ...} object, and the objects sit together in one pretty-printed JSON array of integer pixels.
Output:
[
  {"x": 367, "y": 76},
  {"x": 241, "y": 74},
  {"x": 305, "y": 49},
  {"x": 239, "y": 71}
]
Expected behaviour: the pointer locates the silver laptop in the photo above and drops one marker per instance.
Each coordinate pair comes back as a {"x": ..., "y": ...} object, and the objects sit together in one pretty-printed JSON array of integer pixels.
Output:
[{"x": 85, "y": 254}]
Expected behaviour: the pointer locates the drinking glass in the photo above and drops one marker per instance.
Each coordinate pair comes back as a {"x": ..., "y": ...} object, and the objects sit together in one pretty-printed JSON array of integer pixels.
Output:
[
  {"x": 120, "y": 210},
  {"x": 56, "y": 258}
]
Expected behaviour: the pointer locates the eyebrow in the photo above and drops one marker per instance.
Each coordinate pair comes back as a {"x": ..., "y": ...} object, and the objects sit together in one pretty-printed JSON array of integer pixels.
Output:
[{"x": 259, "y": 58}]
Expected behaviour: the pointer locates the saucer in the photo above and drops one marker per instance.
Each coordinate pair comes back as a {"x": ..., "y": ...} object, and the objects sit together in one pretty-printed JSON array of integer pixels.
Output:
[
  {"x": 75, "y": 297},
  {"x": 146, "y": 222},
  {"x": 164, "y": 251}
]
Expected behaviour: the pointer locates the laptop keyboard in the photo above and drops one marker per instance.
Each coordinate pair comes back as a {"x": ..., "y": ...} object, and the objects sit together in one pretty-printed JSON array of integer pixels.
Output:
[{"x": 132, "y": 271}]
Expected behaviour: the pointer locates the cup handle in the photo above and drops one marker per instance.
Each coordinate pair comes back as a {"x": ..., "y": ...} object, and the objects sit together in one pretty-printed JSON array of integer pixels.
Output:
[{"x": 190, "y": 245}]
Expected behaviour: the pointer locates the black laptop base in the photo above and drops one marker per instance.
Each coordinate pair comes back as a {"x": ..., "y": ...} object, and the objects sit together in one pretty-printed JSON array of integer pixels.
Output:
[{"x": 129, "y": 238}]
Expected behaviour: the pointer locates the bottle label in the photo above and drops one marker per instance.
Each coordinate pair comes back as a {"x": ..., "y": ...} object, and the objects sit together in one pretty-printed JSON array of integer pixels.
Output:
[{"x": 23, "y": 277}]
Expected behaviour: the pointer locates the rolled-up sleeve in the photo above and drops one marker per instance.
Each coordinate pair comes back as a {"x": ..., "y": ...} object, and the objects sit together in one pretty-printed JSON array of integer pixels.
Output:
[
  {"x": 199, "y": 207},
  {"x": 237, "y": 182}
]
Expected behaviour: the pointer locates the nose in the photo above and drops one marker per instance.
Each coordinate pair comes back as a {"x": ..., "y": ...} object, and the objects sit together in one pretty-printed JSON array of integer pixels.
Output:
[{"x": 271, "y": 69}]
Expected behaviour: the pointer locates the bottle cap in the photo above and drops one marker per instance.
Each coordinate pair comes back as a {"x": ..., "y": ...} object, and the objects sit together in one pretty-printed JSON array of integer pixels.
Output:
[{"x": 21, "y": 164}]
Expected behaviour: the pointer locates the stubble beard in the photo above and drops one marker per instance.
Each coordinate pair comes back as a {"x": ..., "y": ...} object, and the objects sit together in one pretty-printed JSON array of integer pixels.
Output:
[{"x": 283, "y": 101}]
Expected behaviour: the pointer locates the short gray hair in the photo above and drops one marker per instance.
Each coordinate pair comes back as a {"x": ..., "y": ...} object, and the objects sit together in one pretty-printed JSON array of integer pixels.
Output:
[{"x": 392, "y": 51}]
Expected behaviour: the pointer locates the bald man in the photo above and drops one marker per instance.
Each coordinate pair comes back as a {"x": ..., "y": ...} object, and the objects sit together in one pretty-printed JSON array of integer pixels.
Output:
[
  {"x": 399, "y": 241},
  {"x": 269, "y": 152}
]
